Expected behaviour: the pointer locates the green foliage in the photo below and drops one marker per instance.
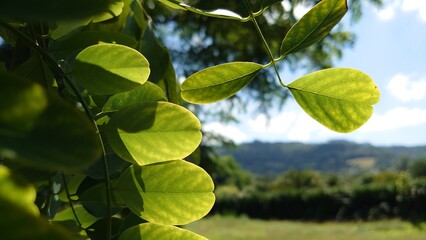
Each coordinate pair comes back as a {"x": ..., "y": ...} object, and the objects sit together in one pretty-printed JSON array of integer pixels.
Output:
[
  {"x": 91, "y": 110},
  {"x": 418, "y": 168}
]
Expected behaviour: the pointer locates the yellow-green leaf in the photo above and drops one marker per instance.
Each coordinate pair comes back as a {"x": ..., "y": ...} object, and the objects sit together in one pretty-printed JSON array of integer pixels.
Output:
[
  {"x": 219, "y": 82},
  {"x": 174, "y": 192},
  {"x": 339, "y": 98},
  {"x": 314, "y": 25}
]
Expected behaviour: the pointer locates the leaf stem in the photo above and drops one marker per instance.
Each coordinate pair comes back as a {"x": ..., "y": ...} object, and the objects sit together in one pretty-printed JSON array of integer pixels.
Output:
[
  {"x": 265, "y": 43},
  {"x": 60, "y": 75},
  {"x": 67, "y": 191}
]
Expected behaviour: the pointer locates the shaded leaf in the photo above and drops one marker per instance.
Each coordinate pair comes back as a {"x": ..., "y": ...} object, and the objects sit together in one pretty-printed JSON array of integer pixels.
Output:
[
  {"x": 314, "y": 25},
  {"x": 114, "y": 10},
  {"x": 151, "y": 132},
  {"x": 339, "y": 98},
  {"x": 175, "y": 192},
  {"x": 41, "y": 130},
  {"x": 218, "y": 82},
  {"x": 157, "y": 231},
  {"x": 67, "y": 27},
  {"x": 94, "y": 201},
  {"x": 109, "y": 69},
  {"x": 148, "y": 92},
  {"x": 53, "y": 9},
  {"x": 86, "y": 219},
  {"x": 81, "y": 40},
  {"x": 163, "y": 73}
]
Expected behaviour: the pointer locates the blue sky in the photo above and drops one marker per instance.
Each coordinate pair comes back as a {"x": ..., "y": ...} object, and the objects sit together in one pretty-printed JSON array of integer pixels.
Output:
[{"x": 391, "y": 48}]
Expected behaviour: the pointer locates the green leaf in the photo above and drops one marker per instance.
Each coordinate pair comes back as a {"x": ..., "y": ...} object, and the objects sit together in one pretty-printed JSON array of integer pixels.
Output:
[
  {"x": 163, "y": 73},
  {"x": 17, "y": 190},
  {"x": 114, "y": 10},
  {"x": 339, "y": 98},
  {"x": 175, "y": 192},
  {"x": 314, "y": 25},
  {"x": 67, "y": 27},
  {"x": 109, "y": 69},
  {"x": 86, "y": 219},
  {"x": 21, "y": 225},
  {"x": 148, "y": 92},
  {"x": 157, "y": 231},
  {"x": 218, "y": 82},
  {"x": 81, "y": 40},
  {"x": 53, "y": 9},
  {"x": 41, "y": 130},
  {"x": 94, "y": 201},
  {"x": 151, "y": 132}
]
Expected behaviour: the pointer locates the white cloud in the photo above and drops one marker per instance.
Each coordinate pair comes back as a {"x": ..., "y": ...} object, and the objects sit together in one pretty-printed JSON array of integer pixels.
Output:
[
  {"x": 395, "y": 119},
  {"x": 228, "y": 131},
  {"x": 406, "y": 6},
  {"x": 301, "y": 10},
  {"x": 277, "y": 124},
  {"x": 387, "y": 13},
  {"x": 415, "y": 5},
  {"x": 406, "y": 89},
  {"x": 290, "y": 126}
]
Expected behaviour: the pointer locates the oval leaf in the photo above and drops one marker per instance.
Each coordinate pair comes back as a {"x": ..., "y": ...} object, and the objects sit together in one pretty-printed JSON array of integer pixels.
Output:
[
  {"x": 109, "y": 69},
  {"x": 41, "y": 130},
  {"x": 314, "y": 25},
  {"x": 151, "y": 132},
  {"x": 218, "y": 82},
  {"x": 175, "y": 192},
  {"x": 157, "y": 231},
  {"x": 339, "y": 98},
  {"x": 148, "y": 92}
]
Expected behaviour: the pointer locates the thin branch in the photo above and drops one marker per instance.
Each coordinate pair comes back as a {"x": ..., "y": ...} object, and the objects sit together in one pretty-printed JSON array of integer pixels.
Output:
[
  {"x": 67, "y": 191},
  {"x": 265, "y": 43}
]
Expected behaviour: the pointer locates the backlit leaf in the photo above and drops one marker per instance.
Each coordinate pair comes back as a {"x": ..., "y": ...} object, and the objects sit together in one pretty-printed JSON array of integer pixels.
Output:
[
  {"x": 175, "y": 192},
  {"x": 314, "y": 25},
  {"x": 148, "y": 92},
  {"x": 16, "y": 189},
  {"x": 109, "y": 69},
  {"x": 41, "y": 130},
  {"x": 20, "y": 225},
  {"x": 218, "y": 82},
  {"x": 157, "y": 231},
  {"x": 217, "y": 13},
  {"x": 339, "y": 98},
  {"x": 151, "y": 132}
]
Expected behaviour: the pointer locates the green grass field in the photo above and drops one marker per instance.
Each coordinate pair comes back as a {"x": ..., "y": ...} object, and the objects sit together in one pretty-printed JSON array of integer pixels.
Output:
[{"x": 233, "y": 228}]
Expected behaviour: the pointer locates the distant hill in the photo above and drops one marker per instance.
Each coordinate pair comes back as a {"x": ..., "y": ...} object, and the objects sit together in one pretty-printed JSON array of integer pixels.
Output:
[{"x": 334, "y": 156}]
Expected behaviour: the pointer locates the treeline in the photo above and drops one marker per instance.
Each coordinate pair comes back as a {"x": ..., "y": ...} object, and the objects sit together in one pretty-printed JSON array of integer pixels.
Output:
[
  {"x": 312, "y": 195},
  {"x": 334, "y": 156}
]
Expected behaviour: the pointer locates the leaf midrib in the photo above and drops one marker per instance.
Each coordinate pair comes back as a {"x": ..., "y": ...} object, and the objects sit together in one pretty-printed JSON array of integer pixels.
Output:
[{"x": 307, "y": 36}]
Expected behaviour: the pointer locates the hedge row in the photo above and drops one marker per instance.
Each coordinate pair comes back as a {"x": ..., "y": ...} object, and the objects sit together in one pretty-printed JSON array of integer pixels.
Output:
[{"x": 364, "y": 202}]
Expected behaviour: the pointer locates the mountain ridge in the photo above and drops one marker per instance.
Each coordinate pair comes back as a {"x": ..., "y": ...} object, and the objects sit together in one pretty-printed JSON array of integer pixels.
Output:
[{"x": 332, "y": 156}]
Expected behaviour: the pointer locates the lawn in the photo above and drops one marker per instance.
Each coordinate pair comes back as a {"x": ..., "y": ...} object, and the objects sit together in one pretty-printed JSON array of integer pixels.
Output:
[{"x": 233, "y": 228}]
